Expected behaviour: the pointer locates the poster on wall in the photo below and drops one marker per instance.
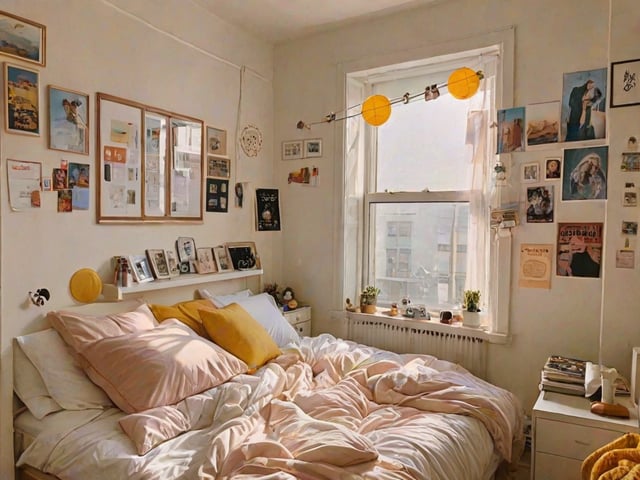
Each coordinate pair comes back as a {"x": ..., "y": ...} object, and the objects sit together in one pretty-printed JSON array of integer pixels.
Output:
[
  {"x": 511, "y": 133},
  {"x": 579, "y": 249},
  {"x": 540, "y": 204},
  {"x": 535, "y": 265},
  {"x": 584, "y": 101},
  {"x": 267, "y": 209},
  {"x": 584, "y": 173}
]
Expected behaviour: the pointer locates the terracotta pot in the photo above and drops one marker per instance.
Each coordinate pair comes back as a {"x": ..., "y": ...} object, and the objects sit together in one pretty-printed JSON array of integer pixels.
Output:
[{"x": 368, "y": 308}]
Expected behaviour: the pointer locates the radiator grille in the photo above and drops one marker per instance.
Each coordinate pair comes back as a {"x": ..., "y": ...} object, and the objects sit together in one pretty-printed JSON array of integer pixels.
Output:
[{"x": 410, "y": 337}]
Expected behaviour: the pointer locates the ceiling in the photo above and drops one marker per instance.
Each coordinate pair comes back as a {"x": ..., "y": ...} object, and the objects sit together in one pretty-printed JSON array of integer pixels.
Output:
[{"x": 276, "y": 21}]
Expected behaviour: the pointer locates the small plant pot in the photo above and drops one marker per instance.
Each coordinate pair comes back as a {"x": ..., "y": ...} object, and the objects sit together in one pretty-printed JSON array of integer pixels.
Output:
[
  {"x": 368, "y": 308},
  {"x": 471, "y": 319}
]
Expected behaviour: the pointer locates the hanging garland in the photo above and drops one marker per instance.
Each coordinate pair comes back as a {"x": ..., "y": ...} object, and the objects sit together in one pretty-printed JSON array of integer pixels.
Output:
[{"x": 463, "y": 83}]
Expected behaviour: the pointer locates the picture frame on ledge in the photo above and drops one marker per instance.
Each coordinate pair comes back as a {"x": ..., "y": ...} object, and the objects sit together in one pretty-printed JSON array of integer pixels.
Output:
[
  {"x": 158, "y": 261},
  {"x": 243, "y": 255},
  {"x": 205, "y": 262},
  {"x": 223, "y": 261},
  {"x": 140, "y": 267},
  {"x": 186, "y": 247}
]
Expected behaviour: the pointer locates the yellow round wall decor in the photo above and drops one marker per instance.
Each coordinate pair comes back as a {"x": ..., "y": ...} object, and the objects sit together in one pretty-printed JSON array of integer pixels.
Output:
[
  {"x": 85, "y": 285},
  {"x": 463, "y": 83},
  {"x": 376, "y": 110}
]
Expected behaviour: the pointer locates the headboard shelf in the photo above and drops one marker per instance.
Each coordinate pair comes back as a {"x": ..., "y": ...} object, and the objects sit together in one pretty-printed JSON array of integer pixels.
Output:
[{"x": 113, "y": 293}]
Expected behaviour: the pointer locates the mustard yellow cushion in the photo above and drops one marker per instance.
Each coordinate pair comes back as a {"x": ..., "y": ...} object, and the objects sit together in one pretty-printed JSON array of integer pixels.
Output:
[
  {"x": 235, "y": 330},
  {"x": 186, "y": 312}
]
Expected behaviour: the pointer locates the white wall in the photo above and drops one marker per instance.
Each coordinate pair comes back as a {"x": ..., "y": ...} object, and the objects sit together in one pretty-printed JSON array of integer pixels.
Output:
[
  {"x": 551, "y": 38},
  {"x": 158, "y": 53}
]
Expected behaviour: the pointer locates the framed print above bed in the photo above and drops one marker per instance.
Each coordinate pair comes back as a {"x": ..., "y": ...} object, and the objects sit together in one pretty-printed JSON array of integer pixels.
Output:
[
  {"x": 68, "y": 120},
  {"x": 21, "y": 100},
  {"x": 23, "y": 39}
]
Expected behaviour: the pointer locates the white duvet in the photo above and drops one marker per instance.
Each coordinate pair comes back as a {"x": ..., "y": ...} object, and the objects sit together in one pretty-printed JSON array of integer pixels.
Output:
[{"x": 326, "y": 409}]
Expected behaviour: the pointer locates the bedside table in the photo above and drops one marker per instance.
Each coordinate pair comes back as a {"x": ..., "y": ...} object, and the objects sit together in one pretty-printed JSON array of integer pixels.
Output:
[
  {"x": 565, "y": 432},
  {"x": 300, "y": 319}
]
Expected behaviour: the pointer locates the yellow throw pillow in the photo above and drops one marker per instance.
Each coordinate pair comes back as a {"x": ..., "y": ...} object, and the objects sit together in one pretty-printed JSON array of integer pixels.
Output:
[
  {"x": 235, "y": 330},
  {"x": 186, "y": 312}
]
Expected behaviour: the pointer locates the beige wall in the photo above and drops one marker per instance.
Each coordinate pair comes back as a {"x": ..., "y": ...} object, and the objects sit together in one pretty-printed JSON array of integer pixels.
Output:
[
  {"x": 159, "y": 54},
  {"x": 551, "y": 38}
]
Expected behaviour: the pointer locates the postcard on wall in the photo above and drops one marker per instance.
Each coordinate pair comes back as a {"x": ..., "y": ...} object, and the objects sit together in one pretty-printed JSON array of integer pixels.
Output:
[
  {"x": 543, "y": 123},
  {"x": 584, "y": 103},
  {"x": 579, "y": 250},
  {"x": 584, "y": 173},
  {"x": 511, "y": 130},
  {"x": 267, "y": 209},
  {"x": 24, "y": 184},
  {"x": 304, "y": 176},
  {"x": 535, "y": 265},
  {"x": 630, "y": 195},
  {"x": 22, "y": 100},
  {"x": 540, "y": 204},
  {"x": 625, "y": 258},
  {"x": 630, "y": 162}
]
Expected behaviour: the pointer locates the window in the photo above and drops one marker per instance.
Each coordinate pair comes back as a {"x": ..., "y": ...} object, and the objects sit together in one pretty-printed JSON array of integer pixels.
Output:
[{"x": 417, "y": 186}]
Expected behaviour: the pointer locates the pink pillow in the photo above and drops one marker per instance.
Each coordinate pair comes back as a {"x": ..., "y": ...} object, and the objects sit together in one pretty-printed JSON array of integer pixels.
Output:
[
  {"x": 79, "y": 330},
  {"x": 151, "y": 368}
]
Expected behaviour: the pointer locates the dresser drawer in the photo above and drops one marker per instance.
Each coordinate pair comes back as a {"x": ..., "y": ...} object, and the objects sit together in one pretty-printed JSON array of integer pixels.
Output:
[
  {"x": 298, "y": 315},
  {"x": 303, "y": 328},
  {"x": 552, "y": 467},
  {"x": 569, "y": 440}
]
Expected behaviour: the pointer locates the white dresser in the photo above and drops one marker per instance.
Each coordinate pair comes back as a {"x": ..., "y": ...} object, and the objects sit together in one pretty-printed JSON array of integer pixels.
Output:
[
  {"x": 300, "y": 319},
  {"x": 565, "y": 432}
]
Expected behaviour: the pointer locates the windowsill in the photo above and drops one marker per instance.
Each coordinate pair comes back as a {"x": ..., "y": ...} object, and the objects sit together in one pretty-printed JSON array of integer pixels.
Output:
[{"x": 436, "y": 326}]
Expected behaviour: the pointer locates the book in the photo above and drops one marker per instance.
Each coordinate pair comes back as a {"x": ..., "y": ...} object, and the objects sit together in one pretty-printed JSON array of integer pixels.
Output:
[
  {"x": 565, "y": 367},
  {"x": 555, "y": 389},
  {"x": 563, "y": 378},
  {"x": 561, "y": 387}
]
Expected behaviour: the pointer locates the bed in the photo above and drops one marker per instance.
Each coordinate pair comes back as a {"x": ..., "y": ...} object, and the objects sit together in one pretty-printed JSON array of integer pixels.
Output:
[{"x": 223, "y": 388}]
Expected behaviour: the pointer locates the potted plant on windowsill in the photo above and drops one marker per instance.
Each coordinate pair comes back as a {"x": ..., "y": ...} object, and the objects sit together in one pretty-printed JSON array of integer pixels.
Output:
[
  {"x": 369, "y": 299},
  {"x": 471, "y": 307}
]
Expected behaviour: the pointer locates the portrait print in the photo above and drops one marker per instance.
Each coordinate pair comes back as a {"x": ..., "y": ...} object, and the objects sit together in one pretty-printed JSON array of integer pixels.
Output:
[
  {"x": 584, "y": 102},
  {"x": 584, "y": 173}
]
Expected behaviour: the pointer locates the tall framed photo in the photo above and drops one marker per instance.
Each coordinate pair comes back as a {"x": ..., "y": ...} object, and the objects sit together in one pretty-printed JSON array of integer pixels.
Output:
[
  {"x": 140, "y": 268},
  {"x": 216, "y": 141},
  {"x": 625, "y": 76},
  {"x": 21, "y": 100},
  {"x": 313, "y": 148},
  {"x": 172, "y": 261},
  {"x": 158, "y": 261},
  {"x": 68, "y": 120},
  {"x": 222, "y": 258},
  {"x": 22, "y": 39},
  {"x": 186, "y": 247},
  {"x": 267, "y": 209}
]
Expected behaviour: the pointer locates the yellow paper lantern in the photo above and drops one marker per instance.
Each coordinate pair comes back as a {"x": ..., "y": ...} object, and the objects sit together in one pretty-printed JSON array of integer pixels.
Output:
[
  {"x": 85, "y": 285},
  {"x": 463, "y": 83},
  {"x": 376, "y": 110}
]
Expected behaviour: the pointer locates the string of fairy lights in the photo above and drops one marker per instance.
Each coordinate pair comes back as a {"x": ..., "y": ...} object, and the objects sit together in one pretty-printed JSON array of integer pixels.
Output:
[{"x": 462, "y": 83}]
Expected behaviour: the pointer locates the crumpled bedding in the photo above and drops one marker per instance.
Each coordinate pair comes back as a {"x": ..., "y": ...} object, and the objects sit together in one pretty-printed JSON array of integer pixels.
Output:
[
  {"x": 325, "y": 409},
  {"x": 619, "y": 459}
]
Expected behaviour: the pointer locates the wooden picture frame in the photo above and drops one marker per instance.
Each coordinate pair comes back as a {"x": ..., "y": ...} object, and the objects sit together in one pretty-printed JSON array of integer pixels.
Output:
[
  {"x": 243, "y": 255},
  {"x": 313, "y": 148},
  {"x": 158, "y": 261},
  {"x": 223, "y": 260},
  {"x": 218, "y": 166},
  {"x": 292, "y": 149},
  {"x": 68, "y": 116},
  {"x": 21, "y": 100},
  {"x": 206, "y": 262},
  {"x": 216, "y": 141},
  {"x": 27, "y": 38},
  {"x": 625, "y": 76},
  {"x": 186, "y": 247},
  {"x": 172, "y": 262},
  {"x": 140, "y": 268}
]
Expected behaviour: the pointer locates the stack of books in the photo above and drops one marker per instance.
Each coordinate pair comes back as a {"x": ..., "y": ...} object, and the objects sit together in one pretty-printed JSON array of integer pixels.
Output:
[{"x": 564, "y": 375}]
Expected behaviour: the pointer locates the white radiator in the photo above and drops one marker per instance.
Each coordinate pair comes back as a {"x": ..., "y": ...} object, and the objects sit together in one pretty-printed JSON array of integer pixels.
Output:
[{"x": 407, "y": 336}]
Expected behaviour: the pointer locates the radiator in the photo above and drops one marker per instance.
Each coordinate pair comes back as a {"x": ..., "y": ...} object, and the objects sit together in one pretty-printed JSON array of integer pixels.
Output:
[{"x": 406, "y": 336}]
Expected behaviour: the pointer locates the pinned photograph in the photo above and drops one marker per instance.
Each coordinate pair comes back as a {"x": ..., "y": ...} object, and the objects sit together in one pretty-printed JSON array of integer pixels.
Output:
[
  {"x": 543, "y": 123},
  {"x": 511, "y": 130}
]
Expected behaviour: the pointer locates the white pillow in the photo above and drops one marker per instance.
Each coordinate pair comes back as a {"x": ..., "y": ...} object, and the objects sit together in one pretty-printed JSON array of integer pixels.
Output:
[
  {"x": 263, "y": 308},
  {"x": 29, "y": 386},
  {"x": 66, "y": 382},
  {"x": 224, "y": 300}
]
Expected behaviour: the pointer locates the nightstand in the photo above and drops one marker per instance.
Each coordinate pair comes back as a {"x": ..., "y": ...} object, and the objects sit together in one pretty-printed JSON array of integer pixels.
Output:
[
  {"x": 565, "y": 432},
  {"x": 300, "y": 319}
]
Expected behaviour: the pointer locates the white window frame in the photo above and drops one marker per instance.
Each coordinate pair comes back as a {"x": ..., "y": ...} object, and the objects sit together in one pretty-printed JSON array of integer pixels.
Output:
[{"x": 500, "y": 247}]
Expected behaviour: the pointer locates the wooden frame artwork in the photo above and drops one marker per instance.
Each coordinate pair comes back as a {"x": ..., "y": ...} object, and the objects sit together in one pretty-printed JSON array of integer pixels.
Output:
[
  {"x": 26, "y": 39},
  {"x": 186, "y": 247},
  {"x": 292, "y": 149},
  {"x": 223, "y": 261},
  {"x": 21, "y": 100},
  {"x": 68, "y": 120},
  {"x": 625, "y": 90},
  {"x": 216, "y": 141},
  {"x": 206, "y": 262},
  {"x": 243, "y": 255},
  {"x": 158, "y": 261},
  {"x": 140, "y": 268},
  {"x": 150, "y": 164}
]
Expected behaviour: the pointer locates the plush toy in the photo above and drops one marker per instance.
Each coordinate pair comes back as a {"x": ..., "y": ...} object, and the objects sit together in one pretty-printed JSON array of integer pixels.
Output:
[{"x": 288, "y": 299}]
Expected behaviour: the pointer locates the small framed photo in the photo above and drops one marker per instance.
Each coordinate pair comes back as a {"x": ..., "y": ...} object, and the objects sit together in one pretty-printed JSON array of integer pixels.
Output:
[
  {"x": 222, "y": 258},
  {"x": 530, "y": 172},
  {"x": 292, "y": 149},
  {"x": 218, "y": 166},
  {"x": 186, "y": 247},
  {"x": 140, "y": 268},
  {"x": 313, "y": 148},
  {"x": 630, "y": 162},
  {"x": 243, "y": 255},
  {"x": 68, "y": 120},
  {"x": 21, "y": 100},
  {"x": 46, "y": 184},
  {"x": 552, "y": 167},
  {"x": 27, "y": 38},
  {"x": 206, "y": 262},
  {"x": 629, "y": 228},
  {"x": 624, "y": 78},
  {"x": 158, "y": 261},
  {"x": 216, "y": 141},
  {"x": 173, "y": 263}
]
